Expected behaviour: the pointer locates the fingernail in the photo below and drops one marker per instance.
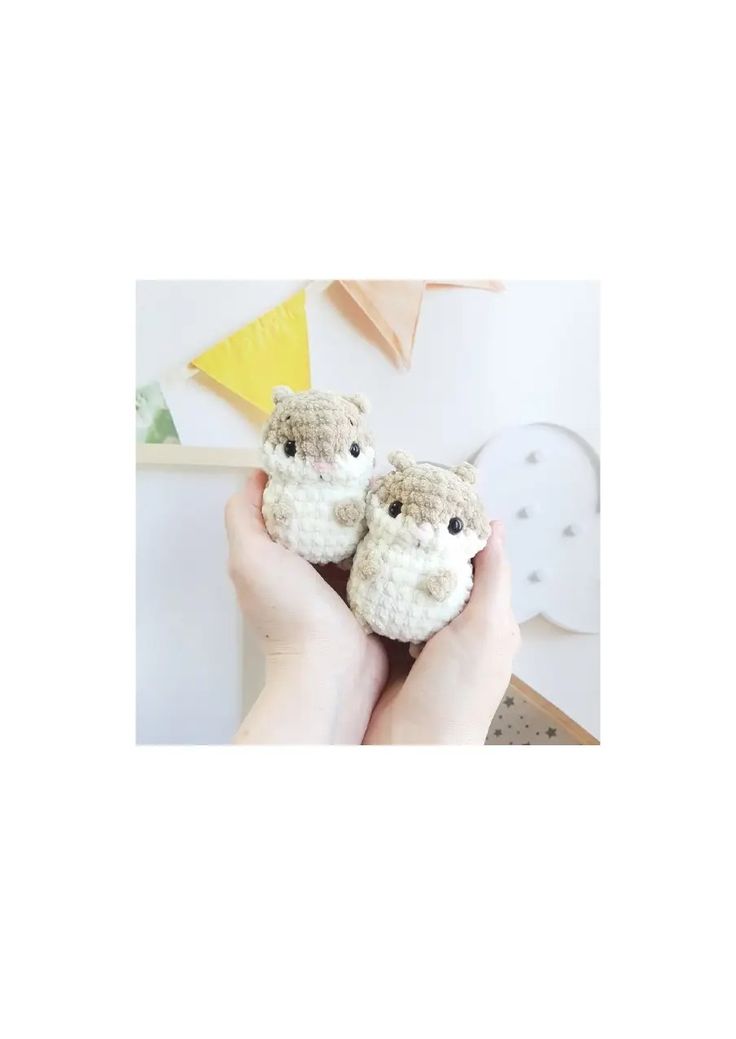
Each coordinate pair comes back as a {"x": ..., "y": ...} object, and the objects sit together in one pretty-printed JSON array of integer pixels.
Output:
[{"x": 499, "y": 532}]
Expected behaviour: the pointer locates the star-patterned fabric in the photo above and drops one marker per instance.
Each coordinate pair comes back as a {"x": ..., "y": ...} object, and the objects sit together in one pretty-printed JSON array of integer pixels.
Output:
[{"x": 520, "y": 721}]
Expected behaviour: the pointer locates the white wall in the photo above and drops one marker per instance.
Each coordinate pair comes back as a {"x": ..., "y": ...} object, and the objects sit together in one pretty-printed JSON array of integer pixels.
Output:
[
  {"x": 481, "y": 361},
  {"x": 188, "y": 632}
]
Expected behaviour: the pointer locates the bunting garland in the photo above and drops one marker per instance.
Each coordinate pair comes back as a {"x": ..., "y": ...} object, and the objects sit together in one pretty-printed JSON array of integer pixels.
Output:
[{"x": 273, "y": 350}]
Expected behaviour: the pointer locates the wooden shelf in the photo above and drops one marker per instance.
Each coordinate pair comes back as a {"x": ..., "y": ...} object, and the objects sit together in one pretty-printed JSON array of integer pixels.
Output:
[{"x": 196, "y": 457}]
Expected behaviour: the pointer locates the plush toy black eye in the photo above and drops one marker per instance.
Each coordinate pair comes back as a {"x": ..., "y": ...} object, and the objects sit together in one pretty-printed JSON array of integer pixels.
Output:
[
  {"x": 354, "y": 449},
  {"x": 394, "y": 508},
  {"x": 290, "y": 448},
  {"x": 455, "y": 525}
]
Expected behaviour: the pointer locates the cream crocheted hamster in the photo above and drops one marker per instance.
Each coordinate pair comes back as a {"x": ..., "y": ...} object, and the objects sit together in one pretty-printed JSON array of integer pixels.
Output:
[
  {"x": 318, "y": 454},
  {"x": 412, "y": 572}
]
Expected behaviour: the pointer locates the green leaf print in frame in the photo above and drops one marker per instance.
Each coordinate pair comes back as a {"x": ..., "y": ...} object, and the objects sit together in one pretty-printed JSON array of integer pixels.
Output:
[{"x": 154, "y": 423}]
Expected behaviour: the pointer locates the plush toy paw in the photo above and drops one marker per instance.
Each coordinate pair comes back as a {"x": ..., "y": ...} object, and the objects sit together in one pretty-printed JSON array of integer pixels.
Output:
[
  {"x": 363, "y": 625},
  {"x": 281, "y": 513},
  {"x": 369, "y": 565},
  {"x": 349, "y": 512},
  {"x": 440, "y": 585}
]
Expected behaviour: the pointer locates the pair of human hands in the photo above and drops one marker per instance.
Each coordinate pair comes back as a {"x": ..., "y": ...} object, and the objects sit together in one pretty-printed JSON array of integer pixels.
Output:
[{"x": 327, "y": 681}]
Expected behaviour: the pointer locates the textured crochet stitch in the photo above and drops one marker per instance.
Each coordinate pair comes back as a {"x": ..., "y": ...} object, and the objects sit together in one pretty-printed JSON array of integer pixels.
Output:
[
  {"x": 318, "y": 453},
  {"x": 412, "y": 572}
]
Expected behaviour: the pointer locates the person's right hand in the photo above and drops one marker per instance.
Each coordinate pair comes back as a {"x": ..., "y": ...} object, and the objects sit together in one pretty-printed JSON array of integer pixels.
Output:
[
  {"x": 323, "y": 673},
  {"x": 452, "y": 691}
]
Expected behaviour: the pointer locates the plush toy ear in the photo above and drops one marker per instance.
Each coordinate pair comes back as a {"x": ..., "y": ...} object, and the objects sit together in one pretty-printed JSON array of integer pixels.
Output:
[
  {"x": 400, "y": 460},
  {"x": 466, "y": 472},
  {"x": 280, "y": 393},
  {"x": 360, "y": 401}
]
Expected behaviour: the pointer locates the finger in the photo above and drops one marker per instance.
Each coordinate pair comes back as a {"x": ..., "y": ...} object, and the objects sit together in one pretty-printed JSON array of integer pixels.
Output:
[
  {"x": 492, "y": 577},
  {"x": 253, "y": 495},
  {"x": 244, "y": 509}
]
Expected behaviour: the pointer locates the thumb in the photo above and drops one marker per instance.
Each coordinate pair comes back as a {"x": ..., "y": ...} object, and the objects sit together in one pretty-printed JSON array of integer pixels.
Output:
[
  {"x": 243, "y": 516},
  {"x": 244, "y": 508},
  {"x": 492, "y": 578}
]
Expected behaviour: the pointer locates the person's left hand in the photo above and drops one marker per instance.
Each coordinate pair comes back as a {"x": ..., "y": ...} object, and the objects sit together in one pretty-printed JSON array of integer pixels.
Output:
[
  {"x": 453, "y": 690},
  {"x": 323, "y": 673}
]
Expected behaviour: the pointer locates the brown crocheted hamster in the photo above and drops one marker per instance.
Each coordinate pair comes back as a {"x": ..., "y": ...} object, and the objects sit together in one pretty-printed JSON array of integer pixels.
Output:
[
  {"x": 412, "y": 572},
  {"x": 319, "y": 456}
]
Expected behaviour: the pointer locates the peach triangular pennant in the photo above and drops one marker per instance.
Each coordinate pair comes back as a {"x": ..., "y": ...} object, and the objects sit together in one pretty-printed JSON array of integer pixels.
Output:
[
  {"x": 393, "y": 308},
  {"x": 493, "y": 286}
]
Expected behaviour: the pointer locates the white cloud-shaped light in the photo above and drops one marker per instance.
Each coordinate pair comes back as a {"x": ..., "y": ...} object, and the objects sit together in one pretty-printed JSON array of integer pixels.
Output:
[{"x": 543, "y": 481}]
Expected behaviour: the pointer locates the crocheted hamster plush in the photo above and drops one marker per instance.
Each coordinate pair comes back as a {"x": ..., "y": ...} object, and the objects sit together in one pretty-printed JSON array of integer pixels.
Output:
[
  {"x": 318, "y": 454},
  {"x": 412, "y": 572}
]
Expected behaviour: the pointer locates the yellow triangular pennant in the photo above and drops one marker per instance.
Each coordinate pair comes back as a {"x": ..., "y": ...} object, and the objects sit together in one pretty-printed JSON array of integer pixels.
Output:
[{"x": 271, "y": 351}]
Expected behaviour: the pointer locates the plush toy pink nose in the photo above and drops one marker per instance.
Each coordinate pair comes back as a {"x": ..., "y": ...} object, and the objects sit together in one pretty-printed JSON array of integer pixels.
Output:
[
  {"x": 323, "y": 467},
  {"x": 425, "y": 532}
]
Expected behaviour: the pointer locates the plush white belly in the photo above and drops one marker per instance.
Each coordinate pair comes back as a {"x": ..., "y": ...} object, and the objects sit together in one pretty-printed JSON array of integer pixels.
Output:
[
  {"x": 311, "y": 530},
  {"x": 395, "y": 602}
]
